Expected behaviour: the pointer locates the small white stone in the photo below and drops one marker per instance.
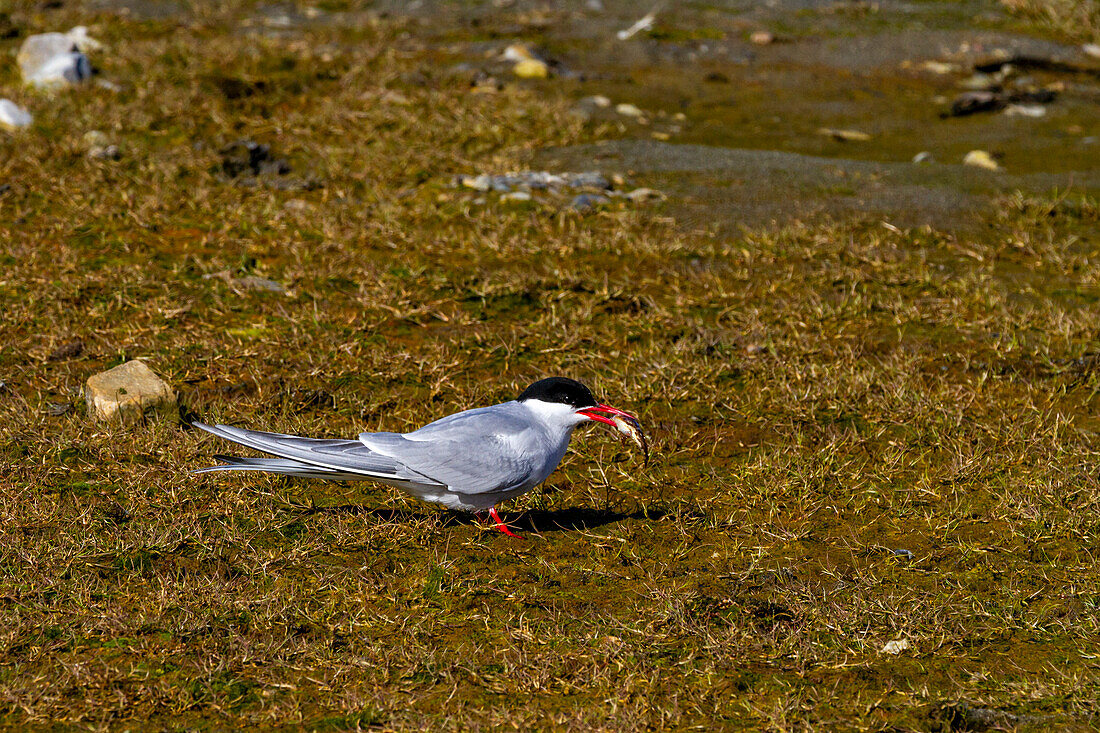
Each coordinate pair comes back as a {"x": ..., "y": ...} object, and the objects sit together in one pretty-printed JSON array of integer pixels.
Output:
[
  {"x": 897, "y": 646},
  {"x": 924, "y": 157},
  {"x": 939, "y": 67},
  {"x": 83, "y": 42},
  {"x": 1025, "y": 110},
  {"x": 478, "y": 183},
  {"x": 13, "y": 116},
  {"x": 644, "y": 194},
  {"x": 128, "y": 393},
  {"x": 40, "y": 48},
  {"x": 61, "y": 70},
  {"x": 517, "y": 52},
  {"x": 628, "y": 110},
  {"x": 1091, "y": 49},
  {"x": 516, "y": 196},
  {"x": 643, "y": 24}
]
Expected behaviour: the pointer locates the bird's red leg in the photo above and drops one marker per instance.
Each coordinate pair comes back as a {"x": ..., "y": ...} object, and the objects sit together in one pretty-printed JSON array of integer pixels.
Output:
[{"x": 501, "y": 525}]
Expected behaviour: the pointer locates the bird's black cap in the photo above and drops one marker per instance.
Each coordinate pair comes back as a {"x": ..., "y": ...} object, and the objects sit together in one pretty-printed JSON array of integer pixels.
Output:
[{"x": 560, "y": 389}]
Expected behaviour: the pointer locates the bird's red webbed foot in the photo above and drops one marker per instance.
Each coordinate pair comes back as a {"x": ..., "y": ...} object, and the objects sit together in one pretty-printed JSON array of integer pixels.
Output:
[{"x": 499, "y": 524}]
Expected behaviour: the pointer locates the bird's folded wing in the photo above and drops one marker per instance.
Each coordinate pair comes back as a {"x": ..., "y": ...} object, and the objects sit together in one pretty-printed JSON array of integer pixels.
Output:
[
  {"x": 471, "y": 464},
  {"x": 347, "y": 456}
]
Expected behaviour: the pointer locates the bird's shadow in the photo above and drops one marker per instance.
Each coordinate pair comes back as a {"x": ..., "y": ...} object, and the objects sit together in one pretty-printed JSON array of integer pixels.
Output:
[{"x": 541, "y": 521}]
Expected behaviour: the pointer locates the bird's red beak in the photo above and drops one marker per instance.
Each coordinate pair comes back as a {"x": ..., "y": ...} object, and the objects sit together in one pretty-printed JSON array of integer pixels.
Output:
[{"x": 592, "y": 413}]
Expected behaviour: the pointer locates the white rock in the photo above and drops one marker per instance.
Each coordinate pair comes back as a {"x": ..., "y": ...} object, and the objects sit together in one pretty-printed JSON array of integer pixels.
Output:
[
  {"x": 939, "y": 67},
  {"x": 897, "y": 646},
  {"x": 924, "y": 157},
  {"x": 14, "y": 116},
  {"x": 644, "y": 194},
  {"x": 517, "y": 52},
  {"x": 628, "y": 110},
  {"x": 643, "y": 24},
  {"x": 516, "y": 196},
  {"x": 84, "y": 43},
  {"x": 1025, "y": 110},
  {"x": 61, "y": 70},
  {"x": 1092, "y": 49},
  {"x": 128, "y": 393},
  {"x": 57, "y": 59},
  {"x": 39, "y": 49}
]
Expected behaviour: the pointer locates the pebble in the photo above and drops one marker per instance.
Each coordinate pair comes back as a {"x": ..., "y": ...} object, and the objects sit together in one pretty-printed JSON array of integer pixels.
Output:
[
  {"x": 516, "y": 196},
  {"x": 597, "y": 100},
  {"x": 897, "y": 646},
  {"x": 980, "y": 82},
  {"x": 903, "y": 554},
  {"x": 981, "y": 159},
  {"x": 587, "y": 202},
  {"x": 13, "y": 116},
  {"x": 924, "y": 157},
  {"x": 534, "y": 180},
  {"x": 50, "y": 60},
  {"x": 531, "y": 69},
  {"x": 643, "y": 24},
  {"x": 104, "y": 152},
  {"x": 844, "y": 135},
  {"x": 969, "y": 103},
  {"x": 478, "y": 183},
  {"x": 128, "y": 393},
  {"x": 644, "y": 194},
  {"x": 939, "y": 67},
  {"x": 1025, "y": 110},
  {"x": 1091, "y": 49},
  {"x": 245, "y": 157},
  {"x": 517, "y": 52},
  {"x": 762, "y": 38},
  {"x": 62, "y": 70},
  {"x": 68, "y": 350},
  {"x": 40, "y": 48},
  {"x": 628, "y": 110}
]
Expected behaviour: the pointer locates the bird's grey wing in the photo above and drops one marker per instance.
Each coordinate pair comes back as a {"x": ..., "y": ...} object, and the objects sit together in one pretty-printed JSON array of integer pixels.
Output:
[
  {"x": 469, "y": 465},
  {"x": 341, "y": 456},
  {"x": 472, "y": 452}
]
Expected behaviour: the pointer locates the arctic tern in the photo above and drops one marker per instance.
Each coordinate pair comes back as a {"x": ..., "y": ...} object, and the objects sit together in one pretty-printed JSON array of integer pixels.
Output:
[{"x": 469, "y": 461}]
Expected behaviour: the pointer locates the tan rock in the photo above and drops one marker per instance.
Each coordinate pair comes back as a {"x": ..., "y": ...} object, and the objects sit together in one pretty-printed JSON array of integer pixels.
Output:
[
  {"x": 531, "y": 69},
  {"x": 981, "y": 159},
  {"x": 130, "y": 392}
]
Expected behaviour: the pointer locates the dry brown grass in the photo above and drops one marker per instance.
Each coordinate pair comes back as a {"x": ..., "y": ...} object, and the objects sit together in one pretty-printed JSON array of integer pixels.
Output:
[
  {"x": 1074, "y": 19},
  {"x": 820, "y": 396}
]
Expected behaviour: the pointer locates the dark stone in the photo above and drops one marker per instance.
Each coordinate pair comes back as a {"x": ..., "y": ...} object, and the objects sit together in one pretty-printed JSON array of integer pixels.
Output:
[
  {"x": 970, "y": 103},
  {"x": 69, "y": 350},
  {"x": 245, "y": 157}
]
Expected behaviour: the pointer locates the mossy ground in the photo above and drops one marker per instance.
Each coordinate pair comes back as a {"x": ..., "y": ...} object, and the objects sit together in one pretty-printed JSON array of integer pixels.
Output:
[{"x": 860, "y": 433}]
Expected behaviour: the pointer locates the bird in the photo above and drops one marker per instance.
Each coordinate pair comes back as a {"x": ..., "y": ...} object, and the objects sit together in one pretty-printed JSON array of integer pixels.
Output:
[{"x": 469, "y": 461}]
